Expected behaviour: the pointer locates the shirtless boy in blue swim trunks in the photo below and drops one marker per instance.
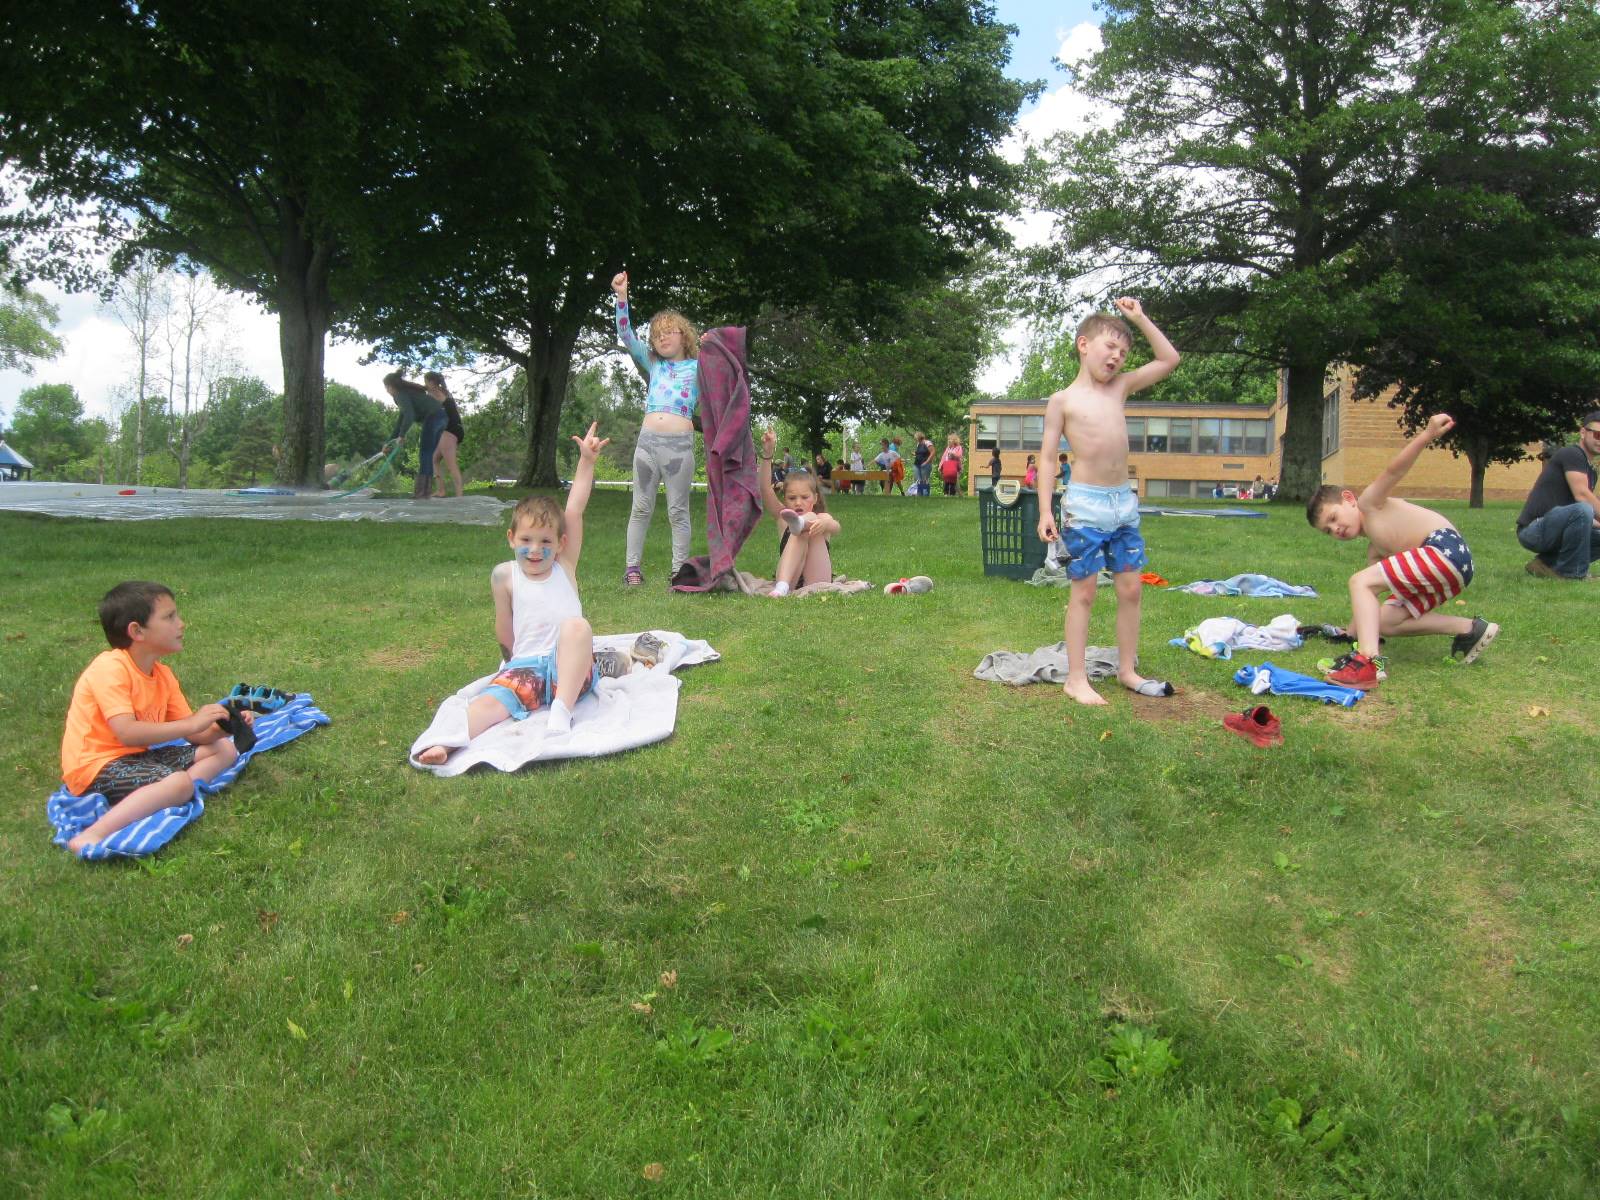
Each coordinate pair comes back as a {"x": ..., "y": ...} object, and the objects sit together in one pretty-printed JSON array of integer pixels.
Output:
[{"x": 1100, "y": 512}]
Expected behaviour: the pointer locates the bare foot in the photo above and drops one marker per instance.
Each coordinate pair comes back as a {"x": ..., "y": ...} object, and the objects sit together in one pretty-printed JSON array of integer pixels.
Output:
[
  {"x": 79, "y": 842},
  {"x": 1080, "y": 691},
  {"x": 433, "y": 756}
]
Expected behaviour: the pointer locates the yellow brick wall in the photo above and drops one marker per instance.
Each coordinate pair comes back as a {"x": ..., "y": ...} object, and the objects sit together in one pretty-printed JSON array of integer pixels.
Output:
[{"x": 1370, "y": 436}]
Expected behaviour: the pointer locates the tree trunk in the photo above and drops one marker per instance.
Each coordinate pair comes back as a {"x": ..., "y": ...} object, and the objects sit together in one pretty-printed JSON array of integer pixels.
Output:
[
  {"x": 548, "y": 366},
  {"x": 305, "y": 313},
  {"x": 1477, "y": 451},
  {"x": 1301, "y": 472}
]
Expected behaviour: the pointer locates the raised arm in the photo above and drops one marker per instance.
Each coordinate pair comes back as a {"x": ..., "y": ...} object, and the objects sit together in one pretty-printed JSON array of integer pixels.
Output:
[
  {"x": 637, "y": 350},
  {"x": 1377, "y": 492},
  {"x": 589, "y": 447},
  {"x": 1166, "y": 355},
  {"x": 1045, "y": 484},
  {"x": 769, "y": 496}
]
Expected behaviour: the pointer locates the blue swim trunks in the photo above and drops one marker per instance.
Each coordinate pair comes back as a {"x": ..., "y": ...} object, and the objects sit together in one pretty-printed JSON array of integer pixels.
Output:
[
  {"x": 529, "y": 683},
  {"x": 1100, "y": 530}
]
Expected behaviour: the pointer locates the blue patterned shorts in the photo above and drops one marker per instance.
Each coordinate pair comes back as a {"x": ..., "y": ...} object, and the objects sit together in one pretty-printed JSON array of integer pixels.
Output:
[
  {"x": 1100, "y": 530},
  {"x": 529, "y": 683}
]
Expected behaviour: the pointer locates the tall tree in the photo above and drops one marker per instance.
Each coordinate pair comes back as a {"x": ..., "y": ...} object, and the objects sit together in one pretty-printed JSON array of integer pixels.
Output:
[
  {"x": 1255, "y": 147},
  {"x": 25, "y": 321},
  {"x": 46, "y": 426},
  {"x": 261, "y": 141},
  {"x": 140, "y": 303},
  {"x": 1489, "y": 301},
  {"x": 797, "y": 154}
]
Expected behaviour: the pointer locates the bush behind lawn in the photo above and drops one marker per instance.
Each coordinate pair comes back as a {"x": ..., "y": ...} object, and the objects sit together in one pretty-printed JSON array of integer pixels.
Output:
[{"x": 921, "y": 935}]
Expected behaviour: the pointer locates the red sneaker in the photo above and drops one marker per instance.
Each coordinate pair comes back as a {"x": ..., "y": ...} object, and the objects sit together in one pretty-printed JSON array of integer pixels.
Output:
[
  {"x": 1258, "y": 724},
  {"x": 1356, "y": 670}
]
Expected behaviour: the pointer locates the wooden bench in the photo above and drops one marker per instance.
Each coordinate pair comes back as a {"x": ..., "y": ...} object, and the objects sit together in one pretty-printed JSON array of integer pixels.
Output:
[{"x": 843, "y": 479}]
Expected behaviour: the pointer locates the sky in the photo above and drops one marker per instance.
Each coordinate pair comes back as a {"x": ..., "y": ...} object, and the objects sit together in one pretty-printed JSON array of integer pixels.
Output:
[{"x": 98, "y": 359}]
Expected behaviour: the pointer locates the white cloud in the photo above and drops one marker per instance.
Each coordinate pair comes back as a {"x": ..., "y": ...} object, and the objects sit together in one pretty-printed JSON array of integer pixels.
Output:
[
  {"x": 98, "y": 357},
  {"x": 1061, "y": 110}
]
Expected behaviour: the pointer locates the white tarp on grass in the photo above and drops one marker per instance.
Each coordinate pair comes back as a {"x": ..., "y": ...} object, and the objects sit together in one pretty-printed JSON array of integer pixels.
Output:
[{"x": 108, "y": 502}]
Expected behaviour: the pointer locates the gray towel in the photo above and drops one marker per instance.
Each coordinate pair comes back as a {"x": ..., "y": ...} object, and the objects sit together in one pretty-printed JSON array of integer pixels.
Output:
[{"x": 1047, "y": 664}]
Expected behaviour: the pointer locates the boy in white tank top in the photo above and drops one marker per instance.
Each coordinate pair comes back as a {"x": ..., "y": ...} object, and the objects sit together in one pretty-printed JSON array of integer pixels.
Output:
[{"x": 547, "y": 646}]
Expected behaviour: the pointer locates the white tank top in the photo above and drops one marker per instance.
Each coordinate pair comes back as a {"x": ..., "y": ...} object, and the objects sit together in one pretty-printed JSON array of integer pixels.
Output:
[{"x": 537, "y": 609}]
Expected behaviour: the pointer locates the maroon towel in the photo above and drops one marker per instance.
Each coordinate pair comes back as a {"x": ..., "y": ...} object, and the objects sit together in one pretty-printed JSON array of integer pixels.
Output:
[{"x": 733, "y": 496}]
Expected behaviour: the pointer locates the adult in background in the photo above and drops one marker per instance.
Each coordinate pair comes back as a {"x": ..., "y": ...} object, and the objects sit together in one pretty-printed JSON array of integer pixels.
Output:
[
  {"x": 450, "y": 439},
  {"x": 858, "y": 465},
  {"x": 420, "y": 409},
  {"x": 922, "y": 465},
  {"x": 950, "y": 464},
  {"x": 1560, "y": 522},
  {"x": 824, "y": 471}
]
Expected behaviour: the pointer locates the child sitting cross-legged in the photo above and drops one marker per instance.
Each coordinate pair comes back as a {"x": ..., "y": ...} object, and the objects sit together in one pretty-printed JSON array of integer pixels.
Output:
[
  {"x": 1413, "y": 553},
  {"x": 547, "y": 646},
  {"x": 803, "y": 556},
  {"x": 127, "y": 701}
]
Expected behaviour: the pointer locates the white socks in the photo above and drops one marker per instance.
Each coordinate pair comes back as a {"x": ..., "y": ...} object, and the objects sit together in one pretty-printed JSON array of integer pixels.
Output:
[
  {"x": 795, "y": 521},
  {"x": 560, "y": 718},
  {"x": 780, "y": 589}
]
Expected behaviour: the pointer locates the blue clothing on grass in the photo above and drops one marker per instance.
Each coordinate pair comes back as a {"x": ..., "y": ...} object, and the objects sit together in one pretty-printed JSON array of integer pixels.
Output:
[
  {"x": 1246, "y": 585},
  {"x": 1292, "y": 683}
]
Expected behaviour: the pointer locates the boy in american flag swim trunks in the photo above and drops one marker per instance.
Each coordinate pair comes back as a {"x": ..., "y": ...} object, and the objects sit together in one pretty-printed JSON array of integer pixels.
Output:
[{"x": 1414, "y": 554}]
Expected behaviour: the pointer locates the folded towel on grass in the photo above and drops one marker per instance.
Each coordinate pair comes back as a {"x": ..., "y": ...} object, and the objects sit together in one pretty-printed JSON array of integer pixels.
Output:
[
  {"x": 71, "y": 815},
  {"x": 620, "y": 714},
  {"x": 753, "y": 585},
  {"x": 1047, "y": 664}
]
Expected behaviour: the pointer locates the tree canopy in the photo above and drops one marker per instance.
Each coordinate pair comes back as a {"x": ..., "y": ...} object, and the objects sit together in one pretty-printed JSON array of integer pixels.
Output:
[
  {"x": 1255, "y": 149},
  {"x": 735, "y": 155}
]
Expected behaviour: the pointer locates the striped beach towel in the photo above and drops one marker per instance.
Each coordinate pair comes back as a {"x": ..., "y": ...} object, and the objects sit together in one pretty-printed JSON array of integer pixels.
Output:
[{"x": 70, "y": 814}]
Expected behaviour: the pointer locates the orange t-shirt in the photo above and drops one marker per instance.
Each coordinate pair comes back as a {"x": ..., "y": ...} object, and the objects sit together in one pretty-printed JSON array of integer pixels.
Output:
[{"x": 112, "y": 686}]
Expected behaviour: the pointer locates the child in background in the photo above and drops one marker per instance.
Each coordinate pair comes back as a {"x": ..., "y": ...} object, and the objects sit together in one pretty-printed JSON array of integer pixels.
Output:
[
  {"x": 125, "y": 702},
  {"x": 802, "y": 514},
  {"x": 1413, "y": 552},
  {"x": 665, "y": 450},
  {"x": 1100, "y": 511},
  {"x": 546, "y": 645},
  {"x": 994, "y": 467},
  {"x": 857, "y": 465},
  {"x": 451, "y": 437},
  {"x": 897, "y": 467},
  {"x": 1030, "y": 476}
]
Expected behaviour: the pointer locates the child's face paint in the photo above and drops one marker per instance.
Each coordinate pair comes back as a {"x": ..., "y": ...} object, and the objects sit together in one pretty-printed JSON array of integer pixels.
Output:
[{"x": 534, "y": 546}]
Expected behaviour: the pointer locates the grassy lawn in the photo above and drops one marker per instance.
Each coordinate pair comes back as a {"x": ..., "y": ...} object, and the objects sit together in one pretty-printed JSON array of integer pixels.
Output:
[{"x": 909, "y": 914}]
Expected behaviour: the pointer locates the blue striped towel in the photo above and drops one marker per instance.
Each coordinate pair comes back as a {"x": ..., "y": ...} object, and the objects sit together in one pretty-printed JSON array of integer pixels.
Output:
[{"x": 71, "y": 814}]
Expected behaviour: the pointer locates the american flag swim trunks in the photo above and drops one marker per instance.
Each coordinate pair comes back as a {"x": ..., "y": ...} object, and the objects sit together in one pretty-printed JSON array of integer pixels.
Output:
[{"x": 1436, "y": 571}]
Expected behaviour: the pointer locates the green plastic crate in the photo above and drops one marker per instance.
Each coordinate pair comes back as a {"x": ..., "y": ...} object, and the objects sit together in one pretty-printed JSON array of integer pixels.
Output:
[{"x": 1010, "y": 534}]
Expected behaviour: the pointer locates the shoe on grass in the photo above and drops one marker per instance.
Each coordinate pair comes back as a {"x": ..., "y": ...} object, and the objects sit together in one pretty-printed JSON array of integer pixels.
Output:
[
  {"x": 1258, "y": 724},
  {"x": 1465, "y": 647},
  {"x": 1356, "y": 670},
  {"x": 633, "y": 577},
  {"x": 1538, "y": 566},
  {"x": 916, "y": 585}
]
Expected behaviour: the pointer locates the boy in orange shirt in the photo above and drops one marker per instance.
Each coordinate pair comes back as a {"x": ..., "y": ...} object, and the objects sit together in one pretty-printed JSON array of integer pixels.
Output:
[{"x": 127, "y": 700}]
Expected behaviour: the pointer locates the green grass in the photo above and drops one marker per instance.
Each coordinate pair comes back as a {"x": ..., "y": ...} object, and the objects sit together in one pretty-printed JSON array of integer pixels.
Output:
[{"x": 909, "y": 913}]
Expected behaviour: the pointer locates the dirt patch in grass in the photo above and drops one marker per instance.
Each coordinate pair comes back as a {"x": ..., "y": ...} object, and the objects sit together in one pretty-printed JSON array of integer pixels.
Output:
[
  {"x": 1186, "y": 704},
  {"x": 394, "y": 658}
]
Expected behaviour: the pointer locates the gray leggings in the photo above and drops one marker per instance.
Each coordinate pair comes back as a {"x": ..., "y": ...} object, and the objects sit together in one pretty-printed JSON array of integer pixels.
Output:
[{"x": 659, "y": 457}]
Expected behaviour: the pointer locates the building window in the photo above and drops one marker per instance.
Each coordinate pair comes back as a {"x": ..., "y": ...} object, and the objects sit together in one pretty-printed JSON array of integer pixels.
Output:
[
  {"x": 1257, "y": 436},
  {"x": 1135, "y": 434},
  {"x": 1179, "y": 439},
  {"x": 1330, "y": 422},
  {"x": 988, "y": 433},
  {"x": 1210, "y": 433},
  {"x": 1010, "y": 433},
  {"x": 1032, "y": 431},
  {"x": 1155, "y": 435}
]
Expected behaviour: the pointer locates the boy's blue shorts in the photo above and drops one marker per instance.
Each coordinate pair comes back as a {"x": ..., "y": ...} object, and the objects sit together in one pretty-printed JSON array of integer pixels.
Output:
[
  {"x": 1100, "y": 530},
  {"x": 529, "y": 683}
]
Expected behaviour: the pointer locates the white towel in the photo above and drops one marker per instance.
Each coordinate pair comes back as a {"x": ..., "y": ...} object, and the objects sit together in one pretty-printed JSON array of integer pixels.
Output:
[{"x": 619, "y": 714}]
